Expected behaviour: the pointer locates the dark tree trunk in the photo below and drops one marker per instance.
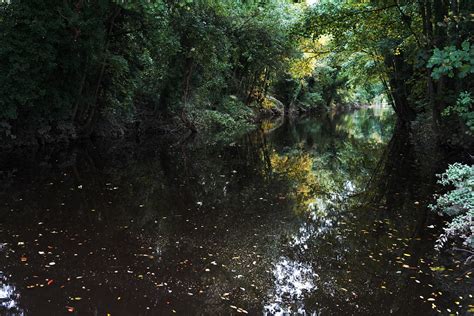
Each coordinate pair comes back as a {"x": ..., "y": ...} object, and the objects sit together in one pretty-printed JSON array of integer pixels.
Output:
[{"x": 400, "y": 91}]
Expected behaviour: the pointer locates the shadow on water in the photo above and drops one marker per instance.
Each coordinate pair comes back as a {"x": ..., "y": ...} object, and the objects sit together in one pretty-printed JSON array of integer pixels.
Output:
[{"x": 324, "y": 216}]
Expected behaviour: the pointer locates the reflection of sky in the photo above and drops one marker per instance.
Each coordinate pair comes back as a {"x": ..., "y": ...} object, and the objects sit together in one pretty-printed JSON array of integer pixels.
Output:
[
  {"x": 349, "y": 188},
  {"x": 368, "y": 125},
  {"x": 8, "y": 298},
  {"x": 296, "y": 273},
  {"x": 292, "y": 278},
  {"x": 319, "y": 225}
]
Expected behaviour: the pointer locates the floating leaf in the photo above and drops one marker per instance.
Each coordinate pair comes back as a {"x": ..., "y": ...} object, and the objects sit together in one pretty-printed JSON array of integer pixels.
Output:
[{"x": 438, "y": 268}]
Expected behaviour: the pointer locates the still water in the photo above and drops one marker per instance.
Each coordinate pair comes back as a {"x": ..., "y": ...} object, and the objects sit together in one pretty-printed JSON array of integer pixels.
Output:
[{"x": 322, "y": 216}]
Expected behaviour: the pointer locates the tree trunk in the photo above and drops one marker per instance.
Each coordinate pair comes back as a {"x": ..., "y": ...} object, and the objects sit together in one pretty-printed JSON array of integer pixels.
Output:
[{"x": 398, "y": 77}]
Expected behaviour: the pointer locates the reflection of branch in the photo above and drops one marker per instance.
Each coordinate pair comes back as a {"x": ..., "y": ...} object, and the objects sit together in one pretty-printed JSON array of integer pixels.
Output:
[
  {"x": 266, "y": 155},
  {"x": 357, "y": 194},
  {"x": 469, "y": 259},
  {"x": 468, "y": 271},
  {"x": 380, "y": 164},
  {"x": 465, "y": 250},
  {"x": 320, "y": 52},
  {"x": 379, "y": 176}
]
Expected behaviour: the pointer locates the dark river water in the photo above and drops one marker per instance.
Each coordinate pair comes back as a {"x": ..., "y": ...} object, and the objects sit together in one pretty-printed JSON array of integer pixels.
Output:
[{"x": 321, "y": 216}]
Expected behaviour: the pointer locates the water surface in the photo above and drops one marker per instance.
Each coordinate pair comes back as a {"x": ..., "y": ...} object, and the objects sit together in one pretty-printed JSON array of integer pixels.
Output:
[{"x": 323, "y": 216}]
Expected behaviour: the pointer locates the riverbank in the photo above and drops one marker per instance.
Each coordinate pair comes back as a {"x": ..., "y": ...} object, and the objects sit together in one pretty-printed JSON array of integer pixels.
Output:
[
  {"x": 143, "y": 123},
  {"x": 230, "y": 119}
]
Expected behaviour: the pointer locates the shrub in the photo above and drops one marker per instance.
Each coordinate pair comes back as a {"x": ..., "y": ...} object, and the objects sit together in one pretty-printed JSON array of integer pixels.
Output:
[
  {"x": 463, "y": 109},
  {"x": 457, "y": 203},
  {"x": 450, "y": 61},
  {"x": 229, "y": 119}
]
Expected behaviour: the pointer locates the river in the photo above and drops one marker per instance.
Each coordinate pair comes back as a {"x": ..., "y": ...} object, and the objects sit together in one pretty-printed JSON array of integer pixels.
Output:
[{"x": 322, "y": 216}]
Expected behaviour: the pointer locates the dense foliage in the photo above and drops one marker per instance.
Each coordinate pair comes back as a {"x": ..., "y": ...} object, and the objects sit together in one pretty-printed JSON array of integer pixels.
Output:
[
  {"x": 420, "y": 51},
  {"x": 79, "y": 69},
  {"x": 75, "y": 68}
]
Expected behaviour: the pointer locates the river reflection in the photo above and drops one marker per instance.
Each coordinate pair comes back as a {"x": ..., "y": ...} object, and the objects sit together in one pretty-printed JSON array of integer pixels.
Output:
[
  {"x": 9, "y": 297},
  {"x": 304, "y": 217}
]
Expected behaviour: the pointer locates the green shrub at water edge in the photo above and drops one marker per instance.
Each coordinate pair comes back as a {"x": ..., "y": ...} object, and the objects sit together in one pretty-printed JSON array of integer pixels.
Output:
[
  {"x": 231, "y": 118},
  {"x": 458, "y": 203}
]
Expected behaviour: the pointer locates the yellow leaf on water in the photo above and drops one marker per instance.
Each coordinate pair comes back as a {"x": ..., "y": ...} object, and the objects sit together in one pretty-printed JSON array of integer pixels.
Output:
[{"x": 437, "y": 268}]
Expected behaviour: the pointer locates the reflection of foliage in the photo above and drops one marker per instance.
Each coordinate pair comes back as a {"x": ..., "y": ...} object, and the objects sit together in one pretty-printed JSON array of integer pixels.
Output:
[
  {"x": 237, "y": 202},
  {"x": 363, "y": 126},
  {"x": 343, "y": 152},
  {"x": 299, "y": 170}
]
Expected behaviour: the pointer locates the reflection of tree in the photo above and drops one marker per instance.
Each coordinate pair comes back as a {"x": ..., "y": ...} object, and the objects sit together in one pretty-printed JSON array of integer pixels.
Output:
[
  {"x": 168, "y": 213},
  {"x": 395, "y": 164},
  {"x": 374, "y": 252},
  {"x": 359, "y": 242},
  {"x": 333, "y": 155},
  {"x": 328, "y": 161},
  {"x": 173, "y": 204},
  {"x": 298, "y": 169},
  {"x": 403, "y": 176}
]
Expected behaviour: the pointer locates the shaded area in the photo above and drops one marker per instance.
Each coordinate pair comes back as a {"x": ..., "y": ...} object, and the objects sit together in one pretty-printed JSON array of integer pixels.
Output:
[{"x": 309, "y": 216}]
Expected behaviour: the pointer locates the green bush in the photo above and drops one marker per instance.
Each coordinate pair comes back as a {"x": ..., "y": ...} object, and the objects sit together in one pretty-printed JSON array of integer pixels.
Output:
[
  {"x": 458, "y": 204},
  {"x": 231, "y": 117},
  {"x": 451, "y": 61},
  {"x": 463, "y": 109}
]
